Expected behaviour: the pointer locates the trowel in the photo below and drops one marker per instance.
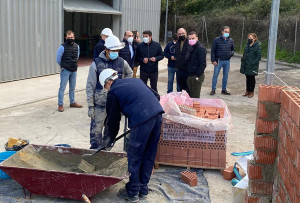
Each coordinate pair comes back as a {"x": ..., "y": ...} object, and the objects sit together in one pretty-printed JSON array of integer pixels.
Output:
[{"x": 88, "y": 167}]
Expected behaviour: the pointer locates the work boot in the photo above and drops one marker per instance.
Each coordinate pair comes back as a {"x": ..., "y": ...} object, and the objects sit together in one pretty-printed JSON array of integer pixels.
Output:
[
  {"x": 143, "y": 196},
  {"x": 213, "y": 92},
  {"x": 226, "y": 92},
  {"x": 246, "y": 94},
  {"x": 60, "y": 108},
  {"x": 251, "y": 94},
  {"x": 75, "y": 105},
  {"x": 124, "y": 195}
]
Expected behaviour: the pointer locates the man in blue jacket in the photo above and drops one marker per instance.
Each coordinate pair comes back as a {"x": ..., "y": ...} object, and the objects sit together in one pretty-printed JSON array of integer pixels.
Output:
[
  {"x": 148, "y": 54},
  {"x": 169, "y": 53},
  {"x": 140, "y": 105},
  {"x": 221, "y": 52},
  {"x": 128, "y": 52}
]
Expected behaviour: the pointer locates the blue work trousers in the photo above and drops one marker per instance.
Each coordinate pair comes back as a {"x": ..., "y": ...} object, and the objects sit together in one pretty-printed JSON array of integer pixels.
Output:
[
  {"x": 142, "y": 148},
  {"x": 65, "y": 77},
  {"x": 96, "y": 128},
  {"x": 226, "y": 66},
  {"x": 171, "y": 75}
]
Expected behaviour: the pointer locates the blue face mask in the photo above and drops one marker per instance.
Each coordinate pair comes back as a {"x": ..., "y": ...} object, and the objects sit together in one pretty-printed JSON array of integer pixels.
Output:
[
  {"x": 113, "y": 55},
  {"x": 226, "y": 35}
]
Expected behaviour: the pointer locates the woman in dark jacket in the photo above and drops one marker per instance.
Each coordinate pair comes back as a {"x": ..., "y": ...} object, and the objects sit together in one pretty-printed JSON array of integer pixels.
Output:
[{"x": 250, "y": 63}]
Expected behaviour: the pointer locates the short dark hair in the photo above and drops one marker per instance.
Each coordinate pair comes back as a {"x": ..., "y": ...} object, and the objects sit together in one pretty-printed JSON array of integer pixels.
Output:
[
  {"x": 175, "y": 37},
  {"x": 225, "y": 27},
  {"x": 69, "y": 32},
  {"x": 134, "y": 32},
  {"x": 147, "y": 32},
  {"x": 193, "y": 33}
]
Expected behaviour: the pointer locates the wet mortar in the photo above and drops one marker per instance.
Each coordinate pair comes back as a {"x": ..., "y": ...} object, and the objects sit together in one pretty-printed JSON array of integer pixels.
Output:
[{"x": 58, "y": 159}]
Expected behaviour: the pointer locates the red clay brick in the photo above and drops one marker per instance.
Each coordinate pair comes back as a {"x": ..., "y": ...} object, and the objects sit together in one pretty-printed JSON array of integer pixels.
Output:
[
  {"x": 294, "y": 176},
  {"x": 285, "y": 100},
  {"x": 282, "y": 194},
  {"x": 228, "y": 173},
  {"x": 222, "y": 158},
  {"x": 296, "y": 135},
  {"x": 264, "y": 157},
  {"x": 254, "y": 172},
  {"x": 262, "y": 113},
  {"x": 199, "y": 157},
  {"x": 206, "y": 157},
  {"x": 298, "y": 161},
  {"x": 189, "y": 178},
  {"x": 291, "y": 149},
  {"x": 282, "y": 135},
  {"x": 286, "y": 121},
  {"x": 265, "y": 142},
  {"x": 259, "y": 187},
  {"x": 283, "y": 156},
  {"x": 192, "y": 156},
  {"x": 269, "y": 93},
  {"x": 266, "y": 126}
]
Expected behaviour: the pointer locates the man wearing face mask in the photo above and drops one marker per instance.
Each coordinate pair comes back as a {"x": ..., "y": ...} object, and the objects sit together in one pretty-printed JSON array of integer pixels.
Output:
[
  {"x": 221, "y": 52},
  {"x": 96, "y": 95},
  {"x": 100, "y": 45},
  {"x": 196, "y": 64},
  {"x": 128, "y": 52},
  {"x": 169, "y": 53},
  {"x": 67, "y": 57},
  {"x": 181, "y": 48},
  {"x": 148, "y": 54}
]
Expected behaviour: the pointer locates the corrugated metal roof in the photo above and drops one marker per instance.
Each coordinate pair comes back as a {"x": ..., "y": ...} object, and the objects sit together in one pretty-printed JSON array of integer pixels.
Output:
[{"x": 89, "y": 6}]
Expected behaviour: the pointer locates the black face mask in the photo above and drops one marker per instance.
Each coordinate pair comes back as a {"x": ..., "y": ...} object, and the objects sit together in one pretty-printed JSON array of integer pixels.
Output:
[
  {"x": 70, "y": 41},
  {"x": 250, "y": 41},
  {"x": 182, "y": 38}
]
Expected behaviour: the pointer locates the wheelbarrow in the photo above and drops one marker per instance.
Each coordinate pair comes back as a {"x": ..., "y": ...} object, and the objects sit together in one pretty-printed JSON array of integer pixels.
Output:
[{"x": 53, "y": 171}]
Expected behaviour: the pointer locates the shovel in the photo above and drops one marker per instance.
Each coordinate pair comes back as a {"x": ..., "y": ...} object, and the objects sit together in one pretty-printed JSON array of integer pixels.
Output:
[{"x": 88, "y": 167}]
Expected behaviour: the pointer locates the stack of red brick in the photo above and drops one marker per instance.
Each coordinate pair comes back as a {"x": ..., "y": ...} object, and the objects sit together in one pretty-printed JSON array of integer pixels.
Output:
[
  {"x": 203, "y": 111},
  {"x": 277, "y": 147},
  {"x": 189, "y": 178},
  {"x": 191, "y": 153}
]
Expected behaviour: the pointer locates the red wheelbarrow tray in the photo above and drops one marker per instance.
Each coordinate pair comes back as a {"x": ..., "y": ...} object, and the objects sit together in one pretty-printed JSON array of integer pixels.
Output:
[{"x": 53, "y": 171}]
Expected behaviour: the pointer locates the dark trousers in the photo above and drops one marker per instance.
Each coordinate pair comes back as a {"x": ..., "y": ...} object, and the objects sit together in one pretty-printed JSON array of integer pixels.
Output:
[
  {"x": 142, "y": 148},
  {"x": 144, "y": 76},
  {"x": 182, "y": 77},
  {"x": 195, "y": 85},
  {"x": 250, "y": 83}
]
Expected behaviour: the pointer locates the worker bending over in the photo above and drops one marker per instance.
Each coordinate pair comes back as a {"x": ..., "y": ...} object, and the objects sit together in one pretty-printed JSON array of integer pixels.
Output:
[
  {"x": 141, "y": 106},
  {"x": 95, "y": 95}
]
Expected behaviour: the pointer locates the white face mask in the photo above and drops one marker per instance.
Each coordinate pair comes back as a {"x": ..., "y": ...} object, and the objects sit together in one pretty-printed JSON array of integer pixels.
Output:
[
  {"x": 130, "y": 39},
  {"x": 146, "y": 40}
]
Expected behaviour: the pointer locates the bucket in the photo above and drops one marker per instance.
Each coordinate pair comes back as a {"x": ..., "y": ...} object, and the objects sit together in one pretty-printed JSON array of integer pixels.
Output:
[{"x": 3, "y": 156}]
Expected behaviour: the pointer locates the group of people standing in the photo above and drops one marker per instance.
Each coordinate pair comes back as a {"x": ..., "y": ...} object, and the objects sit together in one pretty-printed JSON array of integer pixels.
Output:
[{"x": 108, "y": 97}]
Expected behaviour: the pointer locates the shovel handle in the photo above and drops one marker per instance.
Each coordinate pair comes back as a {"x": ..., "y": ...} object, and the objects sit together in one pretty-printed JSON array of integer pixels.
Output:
[{"x": 122, "y": 135}]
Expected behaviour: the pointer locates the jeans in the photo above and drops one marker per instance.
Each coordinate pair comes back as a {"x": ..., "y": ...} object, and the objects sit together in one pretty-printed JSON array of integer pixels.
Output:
[
  {"x": 142, "y": 148},
  {"x": 144, "y": 76},
  {"x": 250, "y": 83},
  {"x": 182, "y": 77},
  {"x": 226, "y": 66},
  {"x": 195, "y": 85},
  {"x": 66, "y": 76},
  {"x": 171, "y": 75}
]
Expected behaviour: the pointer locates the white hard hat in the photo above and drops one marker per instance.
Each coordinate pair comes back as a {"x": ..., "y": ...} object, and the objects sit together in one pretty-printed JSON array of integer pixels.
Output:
[
  {"x": 107, "y": 74},
  {"x": 113, "y": 43},
  {"x": 106, "y": 31}
]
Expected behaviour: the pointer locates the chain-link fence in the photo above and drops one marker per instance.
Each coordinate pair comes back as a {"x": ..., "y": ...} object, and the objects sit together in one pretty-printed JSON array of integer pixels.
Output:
[{"x": 208, "y": 28}]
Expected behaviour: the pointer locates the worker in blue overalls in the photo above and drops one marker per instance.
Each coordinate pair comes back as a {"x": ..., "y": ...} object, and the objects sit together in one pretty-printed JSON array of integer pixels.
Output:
[
  {"x": 140, "y": 104},
  {"x": 95, "y": 94}
]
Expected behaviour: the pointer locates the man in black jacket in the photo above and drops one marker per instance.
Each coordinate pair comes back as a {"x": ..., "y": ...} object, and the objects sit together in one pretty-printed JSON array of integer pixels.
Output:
[
  {"x": 221, "y": 52},
  {"x": 128, "y": 52},
  {"x": 181, "y": 48},
  {"x": 196, "y": 59},
  {"x": 148, "y": 54}
]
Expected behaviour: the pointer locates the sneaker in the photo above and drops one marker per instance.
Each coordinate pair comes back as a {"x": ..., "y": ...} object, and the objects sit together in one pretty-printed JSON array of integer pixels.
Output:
[
  {"x": 75, "y": 105},
  {"x": 226, "y": 92},
  {"x": 60, "y": 108},
  {"x": 143, "y": 196},
  {"x": 213, "y": 92},
  {"x": 124, "y": 195}
]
